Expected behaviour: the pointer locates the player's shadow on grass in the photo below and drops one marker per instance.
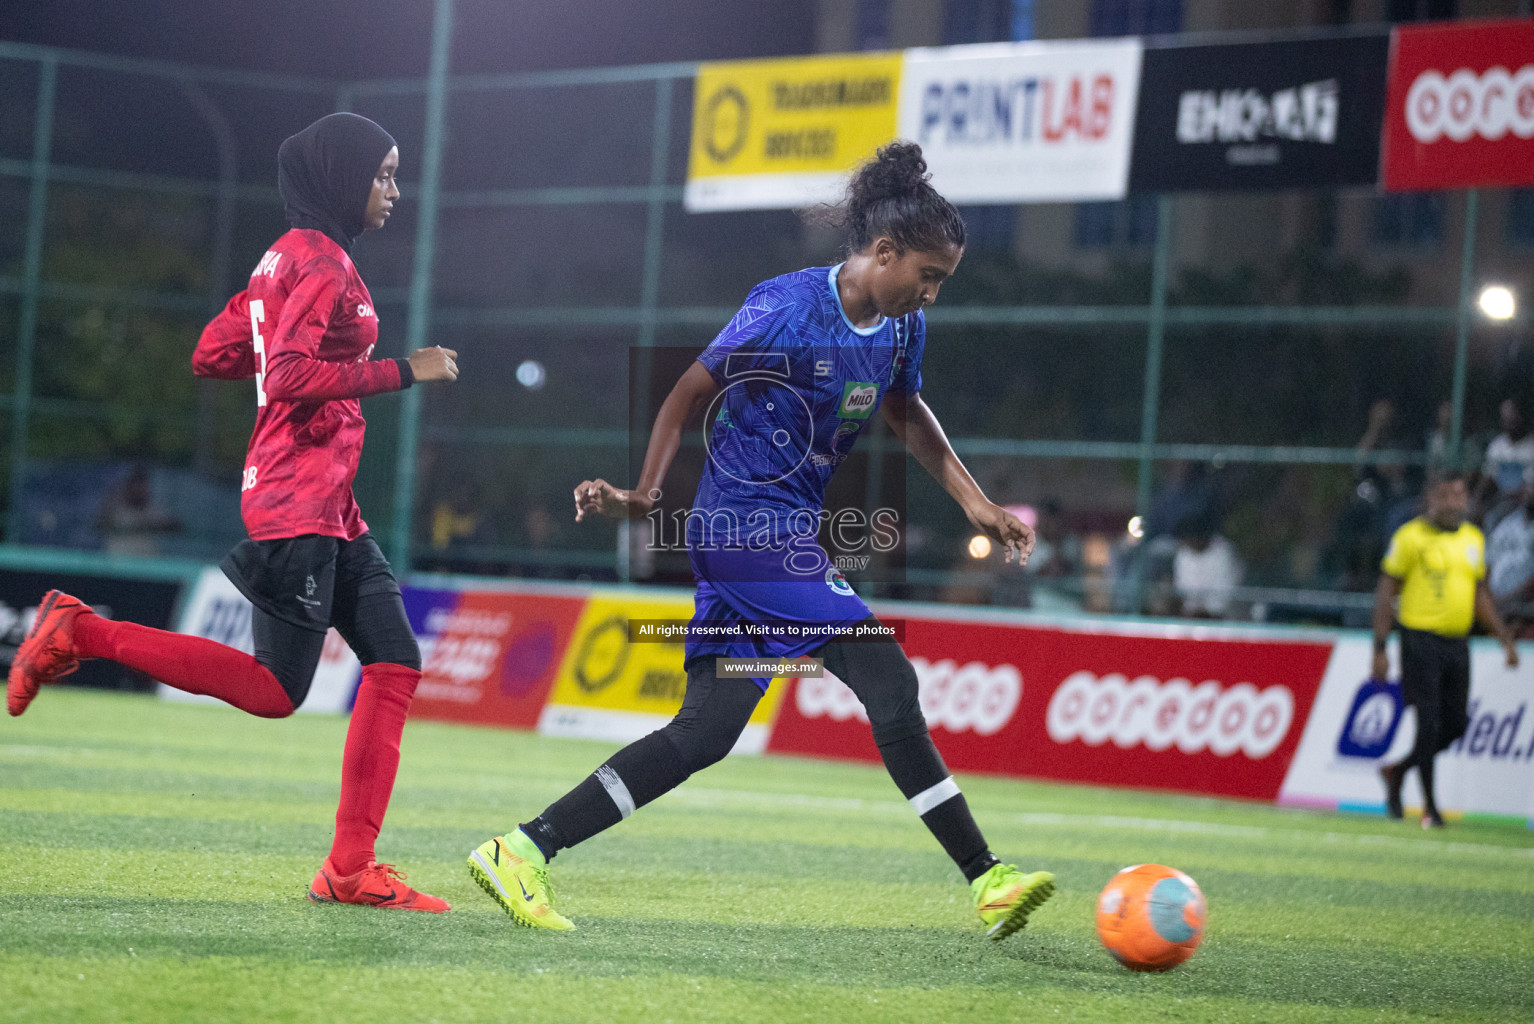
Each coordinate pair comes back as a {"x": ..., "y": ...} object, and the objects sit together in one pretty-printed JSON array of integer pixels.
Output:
[{"x": 1058, "y": 952}]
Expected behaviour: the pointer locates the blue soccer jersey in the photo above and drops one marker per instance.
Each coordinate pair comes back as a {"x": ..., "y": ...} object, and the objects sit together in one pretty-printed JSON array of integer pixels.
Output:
[{"x": 798, "y": 384}]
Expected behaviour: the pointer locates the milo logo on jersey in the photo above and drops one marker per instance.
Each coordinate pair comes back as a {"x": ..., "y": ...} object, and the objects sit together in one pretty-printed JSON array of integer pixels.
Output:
[{"x": 858, "y": 399}]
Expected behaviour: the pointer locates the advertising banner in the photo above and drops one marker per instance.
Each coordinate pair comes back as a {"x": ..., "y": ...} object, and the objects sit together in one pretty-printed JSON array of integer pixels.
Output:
[
  {"x": 218, "y": 611},
  {"x": 1460, "y": 106},
  {"x": 1356, "y": 726},
  {"x": 146, "y": 602},
  {"x": 488, "y": 656},
  {"x": 1177, "y": 709},
  {"x": 1023, "y": 122},
  {"x": 1296, "y": 114},
  {"x": 611, "y": 689},
  {"x": 771, "y": 134}
]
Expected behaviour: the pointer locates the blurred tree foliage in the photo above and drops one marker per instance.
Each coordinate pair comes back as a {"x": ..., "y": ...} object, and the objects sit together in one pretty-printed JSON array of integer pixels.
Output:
[{"x": 127, "y": 362}]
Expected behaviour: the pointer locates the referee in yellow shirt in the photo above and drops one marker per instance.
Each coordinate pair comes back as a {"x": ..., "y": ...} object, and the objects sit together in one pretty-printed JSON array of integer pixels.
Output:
[{"x": 1436, "y": 565}]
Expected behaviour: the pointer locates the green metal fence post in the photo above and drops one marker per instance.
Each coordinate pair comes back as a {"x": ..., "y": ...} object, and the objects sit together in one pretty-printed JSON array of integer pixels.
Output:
[
  {"x": 420, "y": 280},
  {"x": 221, "y": 257},
  {"x": 649, "y": 287},
  {"x": 26, "y": 331},
  {"x": 1462, "y": 326},
  {"x": 1155, "y": 335}
]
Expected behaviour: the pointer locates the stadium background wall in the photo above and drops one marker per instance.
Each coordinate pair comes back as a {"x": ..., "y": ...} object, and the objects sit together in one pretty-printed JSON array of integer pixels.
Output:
[{"x": 1265, "y": 713}]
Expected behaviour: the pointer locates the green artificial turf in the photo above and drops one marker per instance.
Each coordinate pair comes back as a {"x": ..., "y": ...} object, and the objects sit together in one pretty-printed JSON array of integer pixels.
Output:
[{"x": 153, "y": 860}]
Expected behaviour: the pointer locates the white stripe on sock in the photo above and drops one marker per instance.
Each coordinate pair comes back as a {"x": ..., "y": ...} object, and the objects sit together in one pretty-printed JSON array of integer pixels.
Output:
[
  {"x": 930, "y": 798},
  {"x": 618, "y": 791}
]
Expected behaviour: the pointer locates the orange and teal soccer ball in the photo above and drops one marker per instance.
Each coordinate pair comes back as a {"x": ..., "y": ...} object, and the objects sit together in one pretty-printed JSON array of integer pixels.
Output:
[{"x": 1151, "y": 917}]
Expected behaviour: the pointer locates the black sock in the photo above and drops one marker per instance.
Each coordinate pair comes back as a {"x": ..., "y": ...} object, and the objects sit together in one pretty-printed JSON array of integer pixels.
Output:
[
  {"x": 631, "y": 778},
  {"x": 918, "y": 770}
]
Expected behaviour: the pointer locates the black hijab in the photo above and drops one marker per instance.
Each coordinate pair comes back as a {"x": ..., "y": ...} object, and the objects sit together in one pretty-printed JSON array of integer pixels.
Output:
[{"x": 325, "y": 174}]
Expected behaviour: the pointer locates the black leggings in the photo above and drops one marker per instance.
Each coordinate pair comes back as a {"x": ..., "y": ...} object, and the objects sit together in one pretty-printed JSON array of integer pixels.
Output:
[
  {"x": 373, "y": 625},
  {"x": 715, "y": 711}
]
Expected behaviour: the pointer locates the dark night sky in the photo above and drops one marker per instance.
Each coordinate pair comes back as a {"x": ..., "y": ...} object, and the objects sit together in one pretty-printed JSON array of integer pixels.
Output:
[{"x": 350, "y": 39}]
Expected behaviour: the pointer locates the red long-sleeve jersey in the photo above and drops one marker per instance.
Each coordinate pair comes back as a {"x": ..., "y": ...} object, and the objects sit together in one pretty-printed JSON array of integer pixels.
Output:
[{"x": 304, "y": 328}]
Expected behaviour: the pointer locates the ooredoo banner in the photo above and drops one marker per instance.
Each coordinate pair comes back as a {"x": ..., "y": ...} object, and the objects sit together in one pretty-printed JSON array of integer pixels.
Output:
[
  {"x": 1460, "y": 106},
  {"x": 489, "y": 656},
  {"x": 1023, "y": 122},
  {"x": 1294, "y": 114},
  {"x": 1167, "y": 708}
]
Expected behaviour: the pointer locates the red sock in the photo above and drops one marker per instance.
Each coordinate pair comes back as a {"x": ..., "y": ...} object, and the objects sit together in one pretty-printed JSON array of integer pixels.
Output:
[
  {"x": 370, "y": 762},
  {"x": 189, "y": 663}
]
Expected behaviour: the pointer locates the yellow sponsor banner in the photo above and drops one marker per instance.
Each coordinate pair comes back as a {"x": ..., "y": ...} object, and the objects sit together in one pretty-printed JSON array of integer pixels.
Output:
[
  {"x": 784, "y": 133},
  {"x": 609, "y": 688}
]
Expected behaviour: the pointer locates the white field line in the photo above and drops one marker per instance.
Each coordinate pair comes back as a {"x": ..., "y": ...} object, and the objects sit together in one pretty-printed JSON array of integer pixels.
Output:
[{"x": 704, "y": 796}]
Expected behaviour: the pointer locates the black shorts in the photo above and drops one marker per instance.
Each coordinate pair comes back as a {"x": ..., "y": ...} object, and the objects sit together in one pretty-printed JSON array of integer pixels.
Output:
[
  {"x": 1435, "y": 670},
  {"x": 296, "y": 579}
]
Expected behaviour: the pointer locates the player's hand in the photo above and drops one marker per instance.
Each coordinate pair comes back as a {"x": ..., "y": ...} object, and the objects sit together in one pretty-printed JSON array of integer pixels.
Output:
[
  {"x": 1511, "y": 648},
  {"x": 1004, "y": 528},
  {"x": 1381, "y": 667},
  {"x": 435, "y": 363},
  {"x": 598, "y": 497}
]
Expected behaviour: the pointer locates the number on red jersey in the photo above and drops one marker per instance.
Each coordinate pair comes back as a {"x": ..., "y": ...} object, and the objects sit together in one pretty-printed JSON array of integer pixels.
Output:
[{"x": 257, "y": 317}]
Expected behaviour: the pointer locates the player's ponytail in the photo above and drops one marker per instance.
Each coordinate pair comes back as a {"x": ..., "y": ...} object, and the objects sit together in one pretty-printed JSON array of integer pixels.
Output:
[{"x": 891, "y": 196}]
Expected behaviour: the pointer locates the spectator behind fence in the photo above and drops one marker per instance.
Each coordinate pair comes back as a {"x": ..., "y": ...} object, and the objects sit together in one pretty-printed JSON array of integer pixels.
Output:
[
  {"x": 1441, "y": 456},
  {"x": 1383, "y": 497},
  {"x": 1510, "y": 560},
  {"x": 1509, "y": 460},
  {"x": 1205, "y": 571},
  {"x": 130, "y": 522}
]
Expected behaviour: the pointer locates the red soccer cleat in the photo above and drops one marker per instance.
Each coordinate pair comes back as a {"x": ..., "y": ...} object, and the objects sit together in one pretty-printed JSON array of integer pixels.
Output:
[
  {"x": 48, "y": 652},
  {"x": 377, "y": 885}
]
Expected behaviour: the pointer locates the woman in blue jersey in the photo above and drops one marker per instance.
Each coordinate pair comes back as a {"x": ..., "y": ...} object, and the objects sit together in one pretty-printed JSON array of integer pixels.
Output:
[{"x": 786, "y": 388}]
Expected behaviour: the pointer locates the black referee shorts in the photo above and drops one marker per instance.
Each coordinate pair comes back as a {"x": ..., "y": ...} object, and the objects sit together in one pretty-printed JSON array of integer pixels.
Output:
[
  {"x": 1435, "y": 679},
  {"x": 301, "y": 586}
]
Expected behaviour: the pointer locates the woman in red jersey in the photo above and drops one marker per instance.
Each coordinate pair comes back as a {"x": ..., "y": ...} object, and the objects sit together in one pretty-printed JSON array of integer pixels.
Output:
[{"x": 304, "y": 328}]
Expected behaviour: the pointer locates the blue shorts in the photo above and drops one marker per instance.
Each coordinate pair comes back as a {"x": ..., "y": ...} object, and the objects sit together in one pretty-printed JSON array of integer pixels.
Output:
[{"x": 794, "y": 614}]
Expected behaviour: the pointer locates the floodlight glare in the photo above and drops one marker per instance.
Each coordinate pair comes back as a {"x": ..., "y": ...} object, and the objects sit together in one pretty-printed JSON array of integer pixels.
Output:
[
  {"x": 1497, "y": 302},
  {"x": 531, "y": 375}
]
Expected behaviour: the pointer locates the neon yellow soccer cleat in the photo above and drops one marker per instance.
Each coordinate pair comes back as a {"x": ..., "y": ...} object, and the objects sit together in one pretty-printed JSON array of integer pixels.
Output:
[
  {"x": 1004, "y": 897},
  {"x": 514, "y": 872}
]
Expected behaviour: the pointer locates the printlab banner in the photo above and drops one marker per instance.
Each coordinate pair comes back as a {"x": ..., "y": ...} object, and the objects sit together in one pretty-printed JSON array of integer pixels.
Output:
[
  {"x": 770, "y": 134},
  {"x": 1023, "y": 122},
  {"x": 998, "y": 123},
  {"x": 1274, "y": 115},
  {"x": 1460, "y": 110}
]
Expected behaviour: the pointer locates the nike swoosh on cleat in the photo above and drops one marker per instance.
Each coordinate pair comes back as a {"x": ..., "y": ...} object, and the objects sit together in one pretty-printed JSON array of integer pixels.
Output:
[
  {"x": 496, "y": 853},
  {"x": 380, "y": 897},
  {"x": 525, "y": 894},
  {"x": 42, "y": 613}
]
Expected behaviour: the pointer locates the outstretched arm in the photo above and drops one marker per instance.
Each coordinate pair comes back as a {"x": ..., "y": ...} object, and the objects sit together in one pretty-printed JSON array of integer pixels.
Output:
[
  {"x": 914, "y": 423},
  {"x": 692, "y": 392}
]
